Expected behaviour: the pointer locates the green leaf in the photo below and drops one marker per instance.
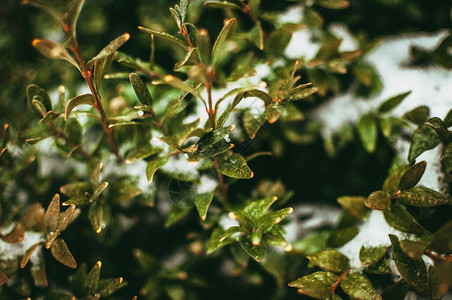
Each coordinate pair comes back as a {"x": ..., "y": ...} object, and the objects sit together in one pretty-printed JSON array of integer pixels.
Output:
[
  {"x": 316, "y": 285},
  {"x": 257, "y": 252},
  {"x": 76, "y": 188},
  {"x": 392, "y": 102},
  {"x": 176, "y": 213},
  {"x": 92, "y": 279},
  {"x": 73, "y": 130},
  {"x": 235, "y": 166},
  {"x": 414, "y": 249},
  {"x": 96, "y": 215},
  {"x": 216, "y": 241},
  {"x": 213, "y": 137},
  {"x": 446, "y": 158},
  {"x": 273, "y": 112},
  {"x": 442, "y": 239},
  {"x": 312, "y": 244},
  {"x": 422, "y": 197},
  {"x": 141, "y": 153},
  {"x": 399, "y": 218},
  {"x": 190, "y": 59},
  {"x": 276, "y": 238},
  {"x": 331, "y": 260},
  {"x": 71, "y": 16},
  {"x": 228, "y": 28},
  {"x": 62, "y": 254},
  {"x": 54, "y": 50},
  {"x": 267, "y": 221},
  {"x": 396, "y": 291},
  {"x": 77, "y": 201},
  {"x": 256, "y": 36},
  {"x": 165, "y": 36},
  {"x": 371, "y": 255},
  {"x": 440, "y": 128},
  {"x": 258, "y": 208},
  {"x": 230, "y": 231},
  {"x": 252, "y": 123},
  {"x": 381, "y": 267},
  {"x": 391, "y": 183},
  {"x": 378, "y": 200},
  {"x": 354, "y": 205},
  {"x": 412, "y": 270},
  {"x": 359, "y": 287},
  {"x": 130, "y": 118},
  {"x": 76, "y": 101},
  {"x": 34, "y": 92},
  {"x": 424, "y": 138},
  {"x": 181, "y": 85},
  {"x": 202, "y": 202},
  {"x": 340, "y": 237},
  {"x": 436, "y": 290},
  {"x": 109, "y": 286},
  {"x": 53, "y": 213},
  {"x": 122, "y": 190},
  {"x": 368, "y": 132},
  {"x": 98, "y": 190},
  {"x": 222, "y": 4},
  {"x": 176, "y": 106},
  {"x": 140, "y": 89},
  {"x": 333, "y": 4},
  {"x": 412, "y": 176},
  {"x": 302, "y": 94},
  {"x": 418, "y": 115},
  {"x": 109, "y": 49}
]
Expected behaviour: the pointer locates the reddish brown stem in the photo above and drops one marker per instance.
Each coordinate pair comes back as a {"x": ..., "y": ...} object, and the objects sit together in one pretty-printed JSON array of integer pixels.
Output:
[
  {"x": 86, "y": 74},
  {"x": 435, "y": 256},
  {"x": 339, "y": 280}
]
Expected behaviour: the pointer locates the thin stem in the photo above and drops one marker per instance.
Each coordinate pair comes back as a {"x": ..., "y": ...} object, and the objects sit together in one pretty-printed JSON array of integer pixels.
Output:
[
  {"x": 62, "y": 135},
  {"x": 247, "y": 10},
  {"x": 183, "y": 30},
  {"x": 86, "y": 74},
  {"x": 435, "y": 256},
  {"x": 158, "y": 123},
  {"x": 339, "y": 280}
]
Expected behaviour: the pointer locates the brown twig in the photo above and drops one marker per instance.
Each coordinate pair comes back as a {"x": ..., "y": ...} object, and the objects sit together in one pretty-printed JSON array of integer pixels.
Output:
[
  {"x": 62, "y": 135},
  {"x": 435, "y": 256},
  {"x": 339, "y": 280},
  {"x": 87, "y": 75}
]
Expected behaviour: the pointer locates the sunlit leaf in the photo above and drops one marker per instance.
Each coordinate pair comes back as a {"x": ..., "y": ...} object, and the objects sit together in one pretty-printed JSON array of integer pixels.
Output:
[
  {"x": 354, "y": 205},
  {"x": 399, "y": 218},
  {"x": 109, "y": 49},
  {"x": 62, "y": 254},
  {"x": 141, "y": 153},
  {"x": 422, "y": 197},
  {"x": 371, "y": 255},
  {"x": 140, "y": 89},
  {"x": 359, "y": 287},
  {"x": 28, "y": 254},
  {"x": 273, "y": 112},
  {"x": 235, "y": 166},
  {"x": 66, "y": 218},
  {"x": 228, "y": 28},
  {"x": 216, "y": 241},
  {"x": 257, "y": 252},
  {"x": 316, "y": 285},
  {"x": 414, "y": 249},
  {"x": 268, "y": 220},
  {"x": 222, "y": 4},
  {"x": 76, "y": 101},
  {"x": 412, "y": 270},
  {"x": 165, "y": 36},
  {"x": 53, "y": 213},
  {"x": 330, "y": 260},
  {"x": 378, "y": 200},
  {"x": 54, "y": 50},
  {"x": 16, "y": 235},
  {"x": 202, "y": 202},
  {"x": 252, "y": 123},
  {"x": 312, "y": 244}
]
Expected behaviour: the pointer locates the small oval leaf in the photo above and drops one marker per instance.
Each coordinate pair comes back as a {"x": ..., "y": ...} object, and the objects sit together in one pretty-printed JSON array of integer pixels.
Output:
[
  {"x": 62, "y": 254},
  {"x": 412, "y": 176},
  {"x": 422, "y": 197},
  {"x": 235, "y": 166},
  {"x": 331, "y": 260},
  {"x": 378, "y": 200}
]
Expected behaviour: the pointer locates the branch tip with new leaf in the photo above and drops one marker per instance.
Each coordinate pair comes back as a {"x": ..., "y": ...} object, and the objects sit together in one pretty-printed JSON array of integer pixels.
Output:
[
  {"x": 35, "y": 42},
  {"x": 99, "y": 264},
  {"x": 288, "y": 248}
]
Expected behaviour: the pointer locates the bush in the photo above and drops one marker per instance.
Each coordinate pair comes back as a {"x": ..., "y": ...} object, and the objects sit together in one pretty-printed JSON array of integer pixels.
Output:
[{"x": 198, "y": 157}]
